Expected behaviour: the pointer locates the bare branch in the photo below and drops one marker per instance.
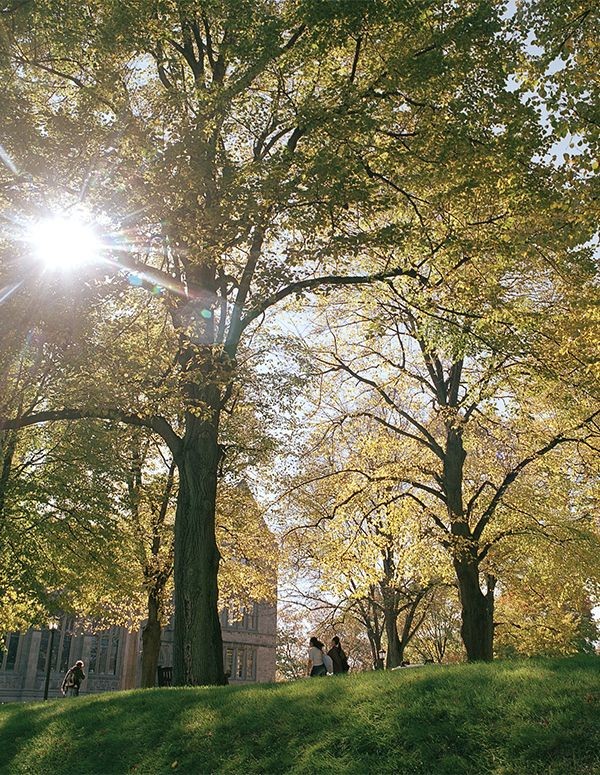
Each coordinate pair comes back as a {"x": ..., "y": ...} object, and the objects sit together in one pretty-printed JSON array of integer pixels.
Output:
[
  {"x": 324, "y": 282},
  {"x": 514, "y": 473},
  {"x": 356, "y": 57}
]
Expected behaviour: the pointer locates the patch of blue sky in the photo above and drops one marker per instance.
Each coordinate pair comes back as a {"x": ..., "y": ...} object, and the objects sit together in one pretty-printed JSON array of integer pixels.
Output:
[
  {"x": 563, "y": 148},
  {"x": 142, "y": 70},
  {"x": 570, "y": 144}
]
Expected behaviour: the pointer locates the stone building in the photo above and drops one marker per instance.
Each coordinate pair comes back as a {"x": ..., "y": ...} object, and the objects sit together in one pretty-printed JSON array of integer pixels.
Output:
[{"x": 113, "y": 657}]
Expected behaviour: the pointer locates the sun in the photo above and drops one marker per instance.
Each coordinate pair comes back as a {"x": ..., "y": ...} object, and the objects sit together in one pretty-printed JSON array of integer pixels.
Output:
[{"x": 64, "y": 242}]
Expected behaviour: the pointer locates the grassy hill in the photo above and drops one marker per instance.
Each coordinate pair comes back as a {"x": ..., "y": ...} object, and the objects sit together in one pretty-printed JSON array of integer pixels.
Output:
[{"x": 521, "y": 718}]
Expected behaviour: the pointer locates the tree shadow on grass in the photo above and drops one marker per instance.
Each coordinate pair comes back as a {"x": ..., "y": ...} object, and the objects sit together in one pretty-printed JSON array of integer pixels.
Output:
[{"x": 468, "y": 719}]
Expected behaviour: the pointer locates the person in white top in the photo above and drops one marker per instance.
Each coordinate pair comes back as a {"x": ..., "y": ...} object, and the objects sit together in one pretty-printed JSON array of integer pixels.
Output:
[{"x": 316, "y": 665}]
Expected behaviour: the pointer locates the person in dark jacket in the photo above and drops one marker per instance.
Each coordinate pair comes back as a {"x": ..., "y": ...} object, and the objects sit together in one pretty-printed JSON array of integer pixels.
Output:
[
  {"x": 72, "y": 680},
  {"x": 338, "y": 657}
]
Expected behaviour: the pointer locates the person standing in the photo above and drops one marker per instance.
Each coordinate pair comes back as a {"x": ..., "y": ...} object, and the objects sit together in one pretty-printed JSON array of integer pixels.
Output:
[
  {"x": 338, "y": 657},
  {"x": 316, "y": 662},
  {"x": 72, "y": 680}
]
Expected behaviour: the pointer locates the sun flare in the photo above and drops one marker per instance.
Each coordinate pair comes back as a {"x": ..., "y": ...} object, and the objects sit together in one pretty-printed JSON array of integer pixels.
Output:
[{"x": 64, "y": 242}]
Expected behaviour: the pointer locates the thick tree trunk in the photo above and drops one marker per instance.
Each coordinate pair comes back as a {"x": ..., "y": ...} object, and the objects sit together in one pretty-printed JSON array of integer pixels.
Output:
[
  {"x": 151, "y": 644},
  {"x": 389, "y": 596},
  {"x": 395, "y": 647},
  {"x": 477, "y": 628},
  {"x": 198, "y": 646}
]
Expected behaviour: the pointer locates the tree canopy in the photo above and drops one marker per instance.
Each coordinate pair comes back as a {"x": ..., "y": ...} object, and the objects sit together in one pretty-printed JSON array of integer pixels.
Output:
[{"x": 233, "y": 158}]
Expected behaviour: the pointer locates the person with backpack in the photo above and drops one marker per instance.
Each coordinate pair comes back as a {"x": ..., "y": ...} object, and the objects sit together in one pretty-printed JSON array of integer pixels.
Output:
[
  {"x": 72, "y": 680},
  {"x": 319, "y": 663},
  {"x": 338, "y": 657}
]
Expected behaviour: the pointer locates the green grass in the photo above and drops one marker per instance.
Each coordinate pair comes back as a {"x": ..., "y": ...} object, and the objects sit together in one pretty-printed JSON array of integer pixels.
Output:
[{"x": 508, "y": 718}]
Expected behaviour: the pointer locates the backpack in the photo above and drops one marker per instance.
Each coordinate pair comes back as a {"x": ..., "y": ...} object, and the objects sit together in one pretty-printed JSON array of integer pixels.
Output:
[{"x": 328, "y": 662}]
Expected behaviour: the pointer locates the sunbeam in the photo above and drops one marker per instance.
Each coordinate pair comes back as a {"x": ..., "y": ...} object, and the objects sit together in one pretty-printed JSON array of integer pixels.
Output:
[
  {"x": 64, "y": 242},
  {"x": 8, "y": 290},
  {"x": 5, "y": 158}
]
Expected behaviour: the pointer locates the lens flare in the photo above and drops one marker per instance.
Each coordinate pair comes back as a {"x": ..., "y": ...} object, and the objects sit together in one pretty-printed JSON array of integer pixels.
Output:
[{"x": 64, "y": 242}]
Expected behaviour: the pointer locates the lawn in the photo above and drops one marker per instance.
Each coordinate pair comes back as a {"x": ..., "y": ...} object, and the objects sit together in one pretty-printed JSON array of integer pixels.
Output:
[{"x": 507, "y": 718}]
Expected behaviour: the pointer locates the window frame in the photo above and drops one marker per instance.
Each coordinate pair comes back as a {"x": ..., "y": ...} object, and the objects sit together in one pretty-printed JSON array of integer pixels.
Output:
[
  {"x": 240, "y": 660},
  {"x": 248, "y": 622}
]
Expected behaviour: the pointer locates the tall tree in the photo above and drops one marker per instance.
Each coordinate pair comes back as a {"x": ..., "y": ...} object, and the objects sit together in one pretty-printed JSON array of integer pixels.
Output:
[
  {"x": 240, "y": 154},
  {"x": 474, "y": 413},
  {"x": 150, "y": 505}
]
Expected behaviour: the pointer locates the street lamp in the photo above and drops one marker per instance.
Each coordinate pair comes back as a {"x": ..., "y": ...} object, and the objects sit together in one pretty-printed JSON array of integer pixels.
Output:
[
  {"x": 52, "y": 626},
  {"x": 380, "y": 658}
]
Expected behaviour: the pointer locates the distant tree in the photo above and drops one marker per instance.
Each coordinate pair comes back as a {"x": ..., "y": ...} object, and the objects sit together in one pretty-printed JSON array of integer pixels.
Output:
[
  {"x": 438, "y": 637},
  {"x": 473, "y": 424},
  {"x": 151, "y": 493},
  {"x": 292, "y": 644},
  {"x": 545, "y": 604},
  {"x": 354, "y": 533}
]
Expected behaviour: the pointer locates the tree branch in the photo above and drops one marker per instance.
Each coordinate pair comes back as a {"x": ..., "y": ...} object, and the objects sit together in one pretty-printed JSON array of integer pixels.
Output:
[
  {"x": 428, "y": 441},
  {"x": 356, "y": 57},
  {"x": 324, "y": 282},
  {"x": 254, "y": 71},
  {"x": 155, "y": 423},
  {"x": 514, "y": 473}
]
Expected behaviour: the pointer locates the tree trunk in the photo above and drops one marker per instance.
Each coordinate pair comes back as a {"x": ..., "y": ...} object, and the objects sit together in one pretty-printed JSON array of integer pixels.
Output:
[
  {"x": 477, "y": 629},
  {"x": 369, "y": 618},
  {"x": 389, "y": 596},
  {"x": 477, "y": 609},
  {"x": 151, "y": 644},
  {"x": 395, "y": 648},
  {"x": 198, "y": 645},
  {"x": 375, "y": 644}
]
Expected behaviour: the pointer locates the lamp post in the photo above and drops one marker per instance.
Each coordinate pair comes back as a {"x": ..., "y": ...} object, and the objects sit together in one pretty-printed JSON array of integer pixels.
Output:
[
  {"x": 52, "y": 626},
  {"x": 380, "y": 658}
]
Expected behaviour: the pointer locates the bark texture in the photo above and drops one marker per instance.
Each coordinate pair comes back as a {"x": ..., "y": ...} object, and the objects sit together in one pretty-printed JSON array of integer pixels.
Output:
[
  {"x": 477, "y": 629},
  {"x": 197, "y": 648}
]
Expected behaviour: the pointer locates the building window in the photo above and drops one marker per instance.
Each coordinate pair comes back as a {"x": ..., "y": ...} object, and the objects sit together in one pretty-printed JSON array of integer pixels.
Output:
[
  {"x": 228, "y": 661},
  {"x": 246, "y": 619},
  {"x": 251, "y": 663},
  {"x": 102, "y": 667},
  {"x": 114, "y": 651},
  {"x": 61, "y": 648},
  {"x": 93, "y": 656},
  {"x": 65, "y": 653},
  {"x": 43, "y": 652},
  {"x": 240, "y": 661},
  {"x": 104, "y": 652},
  {"x": 11, "y": 645}
]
